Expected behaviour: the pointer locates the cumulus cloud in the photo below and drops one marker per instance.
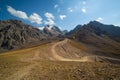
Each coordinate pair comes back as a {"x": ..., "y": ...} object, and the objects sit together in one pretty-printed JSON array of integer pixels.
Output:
[
  {"x": 70, "y": 9},
  {"x": 50, "y": 19},
  {"x": 62, "y": 16},
  {"x": 34, "y": 18},
  {"x": 83, "y": 10},
  {"x": 17, "y": 13},
  {"x": 50, "y": 22},
  {"x": 49, "y": 15},
  {"x": 56, "y": 6},
  {"x": 99, "y": 19}
]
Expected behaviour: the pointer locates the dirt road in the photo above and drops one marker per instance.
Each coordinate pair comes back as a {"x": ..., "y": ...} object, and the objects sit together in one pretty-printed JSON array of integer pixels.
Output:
[
  {"x": 60, "y": 58},
  {"x": 41, "y": 57}
]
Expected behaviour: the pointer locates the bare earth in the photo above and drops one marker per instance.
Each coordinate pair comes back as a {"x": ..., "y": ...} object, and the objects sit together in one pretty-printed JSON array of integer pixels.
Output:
[{"x": 57, "y": 61}]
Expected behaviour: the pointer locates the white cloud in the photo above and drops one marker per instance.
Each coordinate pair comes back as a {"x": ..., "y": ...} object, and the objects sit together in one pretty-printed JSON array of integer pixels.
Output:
[
  {"x": 83, "y": 10},
  {"x": 35, "y": 18},
  {"x": 60, "y": 28},
  {"x": 84, "y": 2},
  {"x": 62, "y": 16},
  {"x": 40, "y": 28},
  {"x": 50, "y": 22},
  {"x": 50, "y": 19},
  {"x": 56, "y": 6},
  {"x": 116, "y": 24},
  {"x": 99, "y": 19},
  {"x": 70, "y": 9},
  {"x": 17, "y": 13},
  {"x": 49, "y": 15}
]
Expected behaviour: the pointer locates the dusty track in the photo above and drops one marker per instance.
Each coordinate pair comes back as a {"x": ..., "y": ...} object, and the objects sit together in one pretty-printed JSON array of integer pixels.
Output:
[
  {"x": 57, "y": 51},
  {"x": 60, "y": 58},
  {"x": 85, "y": 58},
  {"x": 25, "y": 70}
]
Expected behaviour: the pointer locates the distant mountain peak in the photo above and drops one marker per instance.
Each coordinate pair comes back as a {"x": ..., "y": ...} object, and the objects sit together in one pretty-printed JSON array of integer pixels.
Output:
[
  {"x": 94, "y": 23},
  {"x": 97, "y": 29},
  {"x": 52, "y": 31},
  {"x": 49, "y": 27}
]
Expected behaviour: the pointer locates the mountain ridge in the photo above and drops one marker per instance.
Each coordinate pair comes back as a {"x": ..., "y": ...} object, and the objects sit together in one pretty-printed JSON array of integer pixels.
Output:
[
  {"x": 107, "y": 43},
  {"x": 14, "y": 33},
  {"x": 67, "y": 57},
  {"x": 53, "y": 31}
]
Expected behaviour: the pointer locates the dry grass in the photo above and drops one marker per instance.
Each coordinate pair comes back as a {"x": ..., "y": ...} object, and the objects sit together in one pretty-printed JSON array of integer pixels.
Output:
[
  {"x": 35, "y": 64},
  {"x": 78, "y": 45},
  {"x": 10, "y": 65},
  {"x": 14, "y": 61},
  {"x": 57, "y": 70}
]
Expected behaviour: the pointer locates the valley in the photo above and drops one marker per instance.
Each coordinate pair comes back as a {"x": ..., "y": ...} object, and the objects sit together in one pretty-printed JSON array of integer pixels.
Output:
[
  {"x": 55, "y": 61},
  {"x": 59, "y": 40}
]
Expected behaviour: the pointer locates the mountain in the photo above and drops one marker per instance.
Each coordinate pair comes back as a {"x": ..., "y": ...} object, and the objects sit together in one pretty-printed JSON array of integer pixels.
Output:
[
  {"x": 53, "y": 31},
  {"x": 65, "y": 31},
  {"x": 104, "y": 38},
  {"x": 98, "y": 28},
  {"x": 15, "y": 33},
  {"x": 74, "y": 30},
  {"x": 111, "y": 30}
]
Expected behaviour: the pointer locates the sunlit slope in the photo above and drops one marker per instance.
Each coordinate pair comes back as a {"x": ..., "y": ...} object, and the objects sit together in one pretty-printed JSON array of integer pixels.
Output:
[
  {"x": 66, "y": 50},
  {"x": 66, "y": 59}
]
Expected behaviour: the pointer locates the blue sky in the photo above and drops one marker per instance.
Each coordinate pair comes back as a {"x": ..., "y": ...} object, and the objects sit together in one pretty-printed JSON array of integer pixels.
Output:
[{"x": 64, "y": 13}]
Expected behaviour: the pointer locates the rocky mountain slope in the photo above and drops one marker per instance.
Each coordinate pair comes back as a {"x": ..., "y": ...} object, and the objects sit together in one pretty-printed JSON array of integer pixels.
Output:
[
  {"x": 104, "y": 38},
  {"x": 14, "y": 33},
  {"x": 76, "y": 29},
  {"x": 53, "y": 31},
  {"x": 67, "y": 58},
  {"x": 61, "y": 60}
]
